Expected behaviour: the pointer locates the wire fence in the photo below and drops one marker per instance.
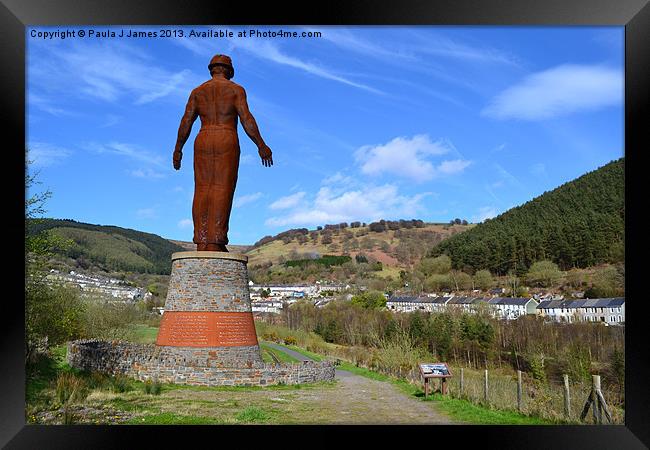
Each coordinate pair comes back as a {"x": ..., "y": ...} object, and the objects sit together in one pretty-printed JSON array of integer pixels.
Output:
[{"x": 547, "y": 400}]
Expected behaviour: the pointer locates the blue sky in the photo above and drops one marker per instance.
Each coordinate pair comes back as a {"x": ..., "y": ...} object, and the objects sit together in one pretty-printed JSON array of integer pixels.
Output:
[{"x": 365, "y": 123}]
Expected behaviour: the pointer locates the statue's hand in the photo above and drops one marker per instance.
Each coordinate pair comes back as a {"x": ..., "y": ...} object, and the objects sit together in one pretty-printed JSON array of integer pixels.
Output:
[
  {"x": 177, "y": 160},
  {"x": 266, "y": 155}
]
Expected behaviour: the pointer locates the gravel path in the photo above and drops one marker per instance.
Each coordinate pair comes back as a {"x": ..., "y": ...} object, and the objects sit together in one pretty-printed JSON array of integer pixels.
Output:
[{"x": 360, "y": 400}]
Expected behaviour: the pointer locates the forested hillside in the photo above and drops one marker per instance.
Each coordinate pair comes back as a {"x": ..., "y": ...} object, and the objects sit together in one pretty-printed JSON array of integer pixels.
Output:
[
  {"x": 579, "y": 224},
  {"x": 111, "y": 248}
]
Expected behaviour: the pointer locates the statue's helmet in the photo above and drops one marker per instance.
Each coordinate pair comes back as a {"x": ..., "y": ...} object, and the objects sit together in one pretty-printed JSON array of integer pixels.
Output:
[{"x": 222, "y": 60}]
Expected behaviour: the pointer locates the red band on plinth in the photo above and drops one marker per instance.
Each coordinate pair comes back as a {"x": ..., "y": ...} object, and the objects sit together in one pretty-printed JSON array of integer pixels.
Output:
[{"x": 206, "y": 329}]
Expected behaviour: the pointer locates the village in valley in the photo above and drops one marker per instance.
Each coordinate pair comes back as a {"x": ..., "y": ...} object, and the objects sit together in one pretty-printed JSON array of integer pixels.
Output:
[
  {"x": 273, "y": 298},
  {"x": 607, "y": 311}
]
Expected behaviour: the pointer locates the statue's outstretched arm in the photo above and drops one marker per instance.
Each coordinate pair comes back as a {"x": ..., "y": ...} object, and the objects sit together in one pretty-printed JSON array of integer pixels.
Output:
[
  {"x": 184, "y": 129},
  {"x": 250, "y": 127}
]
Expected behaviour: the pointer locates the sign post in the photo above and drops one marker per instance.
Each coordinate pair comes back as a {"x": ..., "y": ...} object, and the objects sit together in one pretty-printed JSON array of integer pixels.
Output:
[{"x": 435, "y": 370}]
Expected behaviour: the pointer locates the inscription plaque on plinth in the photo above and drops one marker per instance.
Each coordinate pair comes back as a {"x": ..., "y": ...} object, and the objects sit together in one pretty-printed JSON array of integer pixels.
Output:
[
  {"x": 206, "y": 329},
  {"x": 208, "y": 308}
]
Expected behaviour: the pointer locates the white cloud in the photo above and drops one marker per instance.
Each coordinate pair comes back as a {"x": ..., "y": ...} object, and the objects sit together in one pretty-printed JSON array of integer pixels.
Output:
[
  {"x": 185, "y": 223},
  {"x": 46, "y": 105},
  {"x": 485, "y": 212},
  {"x": 147, "y": 213},
  {"x": 247, "y": 158},
  {"x": 353, "y": 42},
  {"x": 507, "y": 176},
  {"x": 559, "y": 91},
  {"x": 453, "y": 167},
  {"x": 269, "y": 51},
  {"x": 244, "y": 199},
  {"x": 43, "y": 154},
  {"x": 442, "y": 46},
  {"x": 340, "y": 179},
  {"x": 146, "y": 173},
  {"x": 408, "y": 158},
  {"x": 128, "y": 151},
  {"x": 368, "y": 204},
  {"x": 287, "y": 202},
  {"x": 106, "y": 70}
]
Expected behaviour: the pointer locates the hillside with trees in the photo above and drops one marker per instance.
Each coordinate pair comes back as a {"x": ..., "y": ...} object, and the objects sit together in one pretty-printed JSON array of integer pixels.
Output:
[
  {"x": 577, "y": 225},
  {"x": 110, "y": 248},
  {"x": 378, "y": 249}
]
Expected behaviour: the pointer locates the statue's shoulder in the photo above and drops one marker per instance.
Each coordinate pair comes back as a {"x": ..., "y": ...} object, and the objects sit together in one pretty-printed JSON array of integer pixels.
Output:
[
  {"x": 237, "y": 87},
  {"x": 201, "y": 87}
]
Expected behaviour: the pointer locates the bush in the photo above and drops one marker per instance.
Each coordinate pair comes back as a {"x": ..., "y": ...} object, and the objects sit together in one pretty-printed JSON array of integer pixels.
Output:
[
  {"x": 290, "y": 340},
  {"x": 152, "y": 387},
  {"x": 120, "y": 383},
  {"x": 70, "y": 388},
  {"x": 111, "y": 321},
  {"x": 270, "y": 336},
  {"x": 373, "y": 299},
  {"x": 53, "y": 315},
  {"x": 544, "y": 273}
]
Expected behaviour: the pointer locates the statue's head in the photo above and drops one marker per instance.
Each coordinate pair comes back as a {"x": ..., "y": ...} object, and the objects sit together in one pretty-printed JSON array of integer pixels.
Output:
[{"x": 223, "y": 61}]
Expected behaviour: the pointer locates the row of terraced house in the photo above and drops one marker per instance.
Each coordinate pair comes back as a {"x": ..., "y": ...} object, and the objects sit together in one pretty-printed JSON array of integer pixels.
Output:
[{"x": 610, "y": 311}]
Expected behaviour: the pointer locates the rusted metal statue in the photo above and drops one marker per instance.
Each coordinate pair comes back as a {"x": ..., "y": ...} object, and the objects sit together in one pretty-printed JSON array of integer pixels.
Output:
[{"x": 218, "y": 102}]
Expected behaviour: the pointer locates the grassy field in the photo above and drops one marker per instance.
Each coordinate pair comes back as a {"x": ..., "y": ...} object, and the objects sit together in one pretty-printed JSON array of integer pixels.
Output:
[{"x": 144, "y": 334}]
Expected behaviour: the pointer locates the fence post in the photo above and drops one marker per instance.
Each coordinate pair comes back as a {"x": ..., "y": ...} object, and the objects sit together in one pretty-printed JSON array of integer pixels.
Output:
[
  {"x": 519, "y": 390},
  {"x": 462, "y": 382},
  {"x": 567, "y": 398},
  {"x": 595, "y": 388},
  {"x": 485, "y": 386}
]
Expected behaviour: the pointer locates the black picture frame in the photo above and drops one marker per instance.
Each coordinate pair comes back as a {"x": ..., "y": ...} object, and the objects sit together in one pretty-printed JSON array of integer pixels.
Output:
[{"x": 15, "y": 15}]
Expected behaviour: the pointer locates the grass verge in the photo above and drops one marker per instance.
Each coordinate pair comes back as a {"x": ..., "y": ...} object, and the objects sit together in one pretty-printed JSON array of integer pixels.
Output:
[{"x": 282, "y": 356}]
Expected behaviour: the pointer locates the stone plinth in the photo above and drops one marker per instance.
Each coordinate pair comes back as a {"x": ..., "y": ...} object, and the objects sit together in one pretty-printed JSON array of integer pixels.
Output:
[
  {"x": 208, "y": 314},
  {"x": 206, "y": 337}
]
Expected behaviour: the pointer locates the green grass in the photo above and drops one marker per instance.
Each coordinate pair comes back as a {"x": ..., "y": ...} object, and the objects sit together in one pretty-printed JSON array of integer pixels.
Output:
[
  {"x": 304, "y": 352},
  {"x": 362, "y": 371},
  {"x": 282, "y": 356},
  {"x": 252, "y": 415},
  {"x": 465, "y": 411},
  {"x": 167, "y": 418},
  {"x": 144, "y": 334}
]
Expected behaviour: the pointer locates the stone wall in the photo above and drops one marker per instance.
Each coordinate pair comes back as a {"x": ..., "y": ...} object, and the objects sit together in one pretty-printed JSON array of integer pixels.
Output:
[
  {"x": 208, "y": 284},
  {"x": 149, "y": 362}
]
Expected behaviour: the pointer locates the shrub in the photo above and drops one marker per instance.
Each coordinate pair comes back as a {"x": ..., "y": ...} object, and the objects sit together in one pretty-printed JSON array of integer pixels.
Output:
[
  {"x": 70, "y": 388},
  {"x": 290, "y": 340},
  {"x": 152, "y": 387},
  {"x": 270, "y": 336},
  {"x": 120, "y": 383}
]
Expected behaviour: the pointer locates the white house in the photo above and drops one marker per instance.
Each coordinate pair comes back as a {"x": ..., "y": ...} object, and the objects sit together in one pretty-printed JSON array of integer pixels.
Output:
[
  {"x": 610, "y": 311},
  {"x": 500, "y": 307},
  {"x": 512, "y": 308}
]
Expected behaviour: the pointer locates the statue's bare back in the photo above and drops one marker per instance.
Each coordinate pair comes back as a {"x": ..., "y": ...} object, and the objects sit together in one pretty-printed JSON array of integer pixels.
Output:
[{"x": 219, "y": 103}]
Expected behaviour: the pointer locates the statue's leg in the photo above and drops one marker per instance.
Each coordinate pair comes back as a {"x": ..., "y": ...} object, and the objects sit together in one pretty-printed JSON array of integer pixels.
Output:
[
  {"x": 203, "y": 171},
  {"x": 222, "y": 191}
]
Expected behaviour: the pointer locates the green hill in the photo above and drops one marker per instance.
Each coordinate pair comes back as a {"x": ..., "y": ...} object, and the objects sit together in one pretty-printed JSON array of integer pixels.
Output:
[
  {"x": 112, "y": 248},
  {"x": 579, "y": 224},
  {"x": 397, "y": 245}
]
